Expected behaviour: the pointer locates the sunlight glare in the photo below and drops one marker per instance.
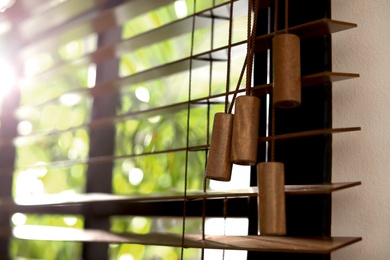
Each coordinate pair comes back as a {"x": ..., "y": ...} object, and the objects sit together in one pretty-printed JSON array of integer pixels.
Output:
[
  {"x": 8, "y": 78},
  {"x": 227, "y": 227},
  {"x": 154, "y": 119},
  {"x": 135, "y": 176},
  {"x": 5, "y": 4},
  {"x": 24, "y": 127},
  {"x": 138, "y": 224},
  {"x": 181, "y": 8},
  {"x": 126, "y": 257},
  {"x": 70, "y": 99},
  {"x": 142, "y": 94},
  {"x": 31, "y": 67},
  {"x": 28, "y": 182},
  {"x": 40, "y": 170},
  {"x": 5, "y": 26},
  {"x": 18, "y": 219},
  {"x": 240, "y": 179},
  {"x": 70, "y": 220},
  {"x": 91, "y": 75}
]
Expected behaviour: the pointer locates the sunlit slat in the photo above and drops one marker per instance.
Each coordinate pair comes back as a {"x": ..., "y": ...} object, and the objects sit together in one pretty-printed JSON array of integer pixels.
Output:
[
  {"x": 116, "y": 50},
  {"x": 306, "y": 81},
  {"x": 59, "y": 15},
  {"x": 60, "y": 199},
  {"x": 35, "y": 7},
  {"x": 317, "y": 245},
  {"x": 307, "y": 30},
  {"x": 167, "y": 69},
  {"x": 97, "y": 23}
]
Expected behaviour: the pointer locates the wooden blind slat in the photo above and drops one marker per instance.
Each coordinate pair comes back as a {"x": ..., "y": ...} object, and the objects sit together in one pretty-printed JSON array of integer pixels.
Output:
[
  {"x": 72, "y": 21},
  {"x": 94, "y": 23},
  {"x": 96, "y": 198},
  {"x": 326, "y": 77},
  {"x": 59, "y": 15},
  {"x": 316, "y": 245}
]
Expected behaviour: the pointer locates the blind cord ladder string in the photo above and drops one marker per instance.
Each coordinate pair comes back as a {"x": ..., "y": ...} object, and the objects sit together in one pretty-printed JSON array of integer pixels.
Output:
[
  {"x": 188, "y": 134},
  {"x": 212, "y": 31}
]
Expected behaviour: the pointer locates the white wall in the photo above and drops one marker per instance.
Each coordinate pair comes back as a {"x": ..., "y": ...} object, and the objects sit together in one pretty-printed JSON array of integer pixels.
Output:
[{"x": 365, "y": 156}]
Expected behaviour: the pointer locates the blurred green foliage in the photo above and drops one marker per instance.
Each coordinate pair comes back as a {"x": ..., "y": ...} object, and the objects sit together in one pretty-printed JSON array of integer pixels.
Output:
[
  {"x": 28, "y": 249},
  {"x": 143, "y": 225},
  {"x": 54, "y": 140}
]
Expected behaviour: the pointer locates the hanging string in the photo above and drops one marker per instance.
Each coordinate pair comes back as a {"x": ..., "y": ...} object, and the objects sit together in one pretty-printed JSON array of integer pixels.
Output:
[
  {"x": 254, "y": 29},
  {"x": 248, "y": 50},
  {"x": 251, "y": 42},
  {"x": 228, "y": 88},
  {"x": 273, "y": 123},
  {"x": 286, "y": 16},
  {"x": 208, "y": 130},
  {"x": 276, "y": 17},
  {"x": 238, "y": 85},
  {"x": 224, "y": 223},
  {"x": 229, "y": 57},
  {"x": 188, "y": 134},
  {"x": 252, "y": 46},
  {"x": 250, "y": 53},
  {"x": 273, "y": 120}
]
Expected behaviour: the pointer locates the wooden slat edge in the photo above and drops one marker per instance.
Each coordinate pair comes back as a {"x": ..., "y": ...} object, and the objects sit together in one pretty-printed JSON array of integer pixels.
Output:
[
  {"x": 309, "y": 133},
  {"x": 319, "y": 245},
  {"x": 114, "y": 16},
  {"x": 307, "y": 30},
  {"x": 308, "y": 80},
  {"x": 191, "y": 195},
  {"x": 319, "y": 188},
  {"x": 325, "y": 77}
]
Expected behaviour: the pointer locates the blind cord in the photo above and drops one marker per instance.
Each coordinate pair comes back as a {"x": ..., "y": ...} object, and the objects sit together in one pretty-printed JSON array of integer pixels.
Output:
[
  {"x": 229, "y": 56},
  {"x": 286, "y": 16},
  {"x": 207, "y": 129},
  {"x": 188, "y": 134},
  {"x": 224, "y": 221},
  {"x": 250, "y": 52},
  {"x": 273, "y": 120}
]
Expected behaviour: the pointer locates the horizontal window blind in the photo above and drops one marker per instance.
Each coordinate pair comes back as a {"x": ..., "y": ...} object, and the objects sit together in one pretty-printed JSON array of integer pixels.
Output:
[
  {"x": 108, "y": 130},
  {"x": 138, "y": 59}
]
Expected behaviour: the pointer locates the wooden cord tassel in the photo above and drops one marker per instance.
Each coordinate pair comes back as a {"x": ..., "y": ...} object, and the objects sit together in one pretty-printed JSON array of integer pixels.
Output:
[
  {"x": 286, "y": 71},
  {"x": 246, "y": 130},
  {"x": 219, "y": 166},
  {"x": 271, "y": 208}
]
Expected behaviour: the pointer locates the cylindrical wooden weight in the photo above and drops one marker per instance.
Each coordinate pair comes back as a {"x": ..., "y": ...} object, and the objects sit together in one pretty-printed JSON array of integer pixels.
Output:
[
  {"x": 286, "y": 71},
  {"x": 219, "y": 166},
  {"x": 271, "y": 208},
  {"x": 245, "y": 130}
]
